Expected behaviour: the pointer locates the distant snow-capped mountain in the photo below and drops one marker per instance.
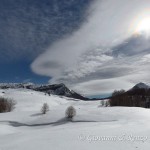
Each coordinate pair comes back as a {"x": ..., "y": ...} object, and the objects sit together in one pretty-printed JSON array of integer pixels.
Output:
[
  {"x": 140, "y": 86},
  {"x": 55, "y": 89},
  {"x": 59, "y": 89}
]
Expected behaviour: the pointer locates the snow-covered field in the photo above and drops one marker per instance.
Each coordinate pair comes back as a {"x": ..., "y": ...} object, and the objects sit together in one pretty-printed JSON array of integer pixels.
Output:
[{"x": 93, "y": 128}]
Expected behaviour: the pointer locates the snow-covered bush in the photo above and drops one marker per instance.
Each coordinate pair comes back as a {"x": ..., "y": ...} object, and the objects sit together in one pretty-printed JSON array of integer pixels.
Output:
[
  {"x": 70, "y": 112},
  {"x": 45, "y": 108},
  {"x": 6, "y": 105},
  {"x": 106, "y": 103},
  {"x": 102, "y": 102}
]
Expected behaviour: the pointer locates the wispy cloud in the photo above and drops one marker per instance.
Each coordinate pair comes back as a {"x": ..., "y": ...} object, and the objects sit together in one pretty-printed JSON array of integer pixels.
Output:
[
  {"x": 103, "y": 54},
  {"x": 28, "y": 27}
]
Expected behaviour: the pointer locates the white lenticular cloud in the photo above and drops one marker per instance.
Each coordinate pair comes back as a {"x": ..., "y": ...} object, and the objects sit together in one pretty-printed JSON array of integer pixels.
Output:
[{"x": 91, "y": 56}]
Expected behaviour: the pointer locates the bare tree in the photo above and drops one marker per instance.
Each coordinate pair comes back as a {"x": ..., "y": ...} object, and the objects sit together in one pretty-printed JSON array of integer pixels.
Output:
[
  {"x": 6, "y": 105},
  {"x": 45, "y": 108},
  {"x": 11, "y": 105},
  {"x": 70, "y": 113}
]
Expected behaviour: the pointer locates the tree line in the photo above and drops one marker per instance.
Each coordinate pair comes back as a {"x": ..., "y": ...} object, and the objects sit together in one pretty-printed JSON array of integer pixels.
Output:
[{"x": 131, "y": 98}]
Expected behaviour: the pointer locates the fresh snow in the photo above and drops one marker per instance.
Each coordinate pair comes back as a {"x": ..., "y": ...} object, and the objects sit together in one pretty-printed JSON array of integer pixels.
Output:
[{"x": 27, "y": 129}]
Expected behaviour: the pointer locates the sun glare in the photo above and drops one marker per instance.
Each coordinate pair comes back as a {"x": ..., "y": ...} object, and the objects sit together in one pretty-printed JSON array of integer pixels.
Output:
[{"x": 144, "y": 26}]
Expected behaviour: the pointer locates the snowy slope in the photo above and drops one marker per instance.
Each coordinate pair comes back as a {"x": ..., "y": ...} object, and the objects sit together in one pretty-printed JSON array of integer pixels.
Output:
[{"x": 26, "y": 129}]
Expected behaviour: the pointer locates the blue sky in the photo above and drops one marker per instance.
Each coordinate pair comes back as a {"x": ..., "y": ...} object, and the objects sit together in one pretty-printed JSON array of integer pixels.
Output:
[
  {"x": 18, "y": 72},
  {"x": 93, "y": 46},
  {"x": 27, "y": 28}
]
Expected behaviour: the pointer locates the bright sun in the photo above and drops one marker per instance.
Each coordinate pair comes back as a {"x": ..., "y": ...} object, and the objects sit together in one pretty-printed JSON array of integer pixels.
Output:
[{"x": 143, "y": 26}]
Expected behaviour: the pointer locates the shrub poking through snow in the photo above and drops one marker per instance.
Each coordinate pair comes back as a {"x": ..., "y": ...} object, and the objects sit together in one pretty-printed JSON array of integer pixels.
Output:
[
  {"x": 6, "y": 105},
  {"x": 45, "y": 108},
  {"x": 70, "y": 113}
]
